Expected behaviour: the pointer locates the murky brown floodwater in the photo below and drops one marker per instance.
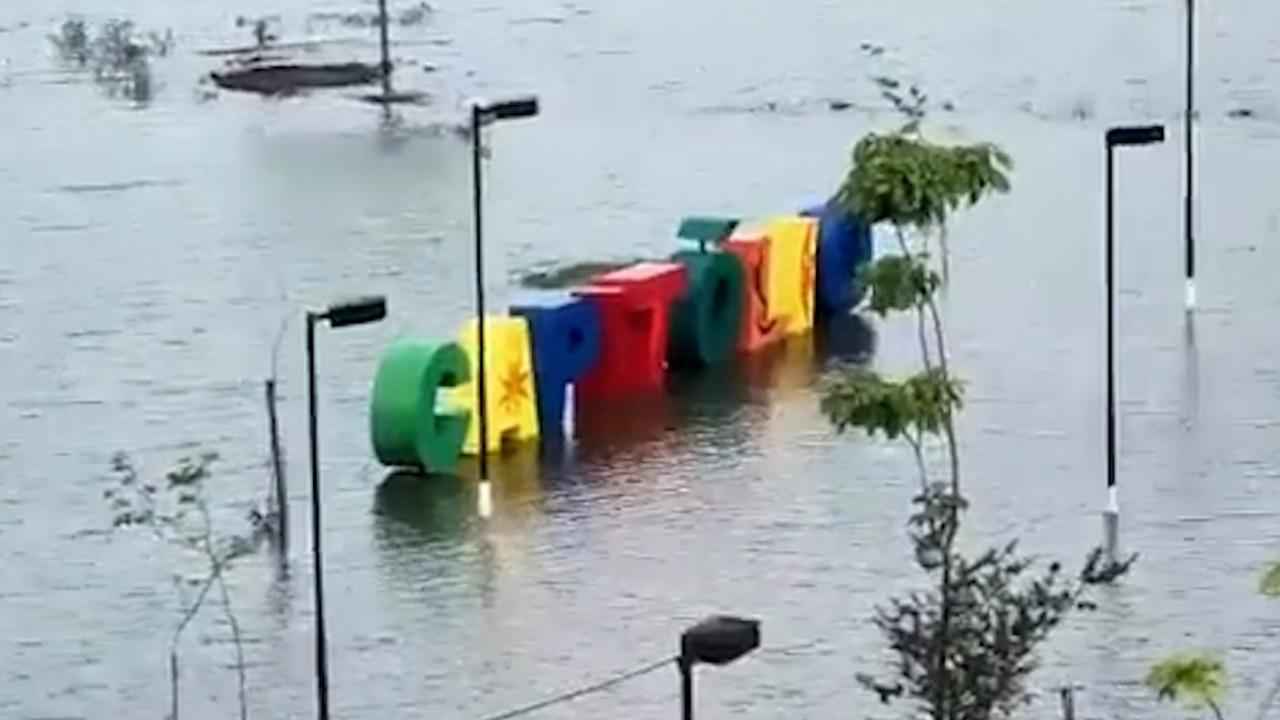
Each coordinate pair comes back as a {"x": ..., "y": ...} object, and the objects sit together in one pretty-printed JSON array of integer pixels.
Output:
[{"x": 148, "y": 257}]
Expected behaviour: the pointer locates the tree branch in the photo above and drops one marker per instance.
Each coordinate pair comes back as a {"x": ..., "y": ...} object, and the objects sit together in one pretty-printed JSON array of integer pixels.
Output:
[
  {"x": 235, "y": 634},
  {"x": 218, "y": 564},
  {"x": 948, "y": 418},
  {"x": 917, "y": 447},
  {"x": 187, "y": 617},
  {"x": 920, "y": 331},
  {"x": 946, "y": 255}
]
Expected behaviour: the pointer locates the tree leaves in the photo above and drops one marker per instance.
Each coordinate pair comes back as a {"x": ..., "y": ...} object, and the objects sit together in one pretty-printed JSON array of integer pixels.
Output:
[
  {"x": 136, "y": 504},
  {"x": 1196, "y": 678},
  {"x": 1270, "y": 585},
  {"x": 912, "y": 182},
  {"x": 179, "y": 512},
  {"x": 858, "y": 397},
  {"x": 998, "y": 613},
  {"x": 1099, "y": 570},
  {"x": 899, "y": 282}
]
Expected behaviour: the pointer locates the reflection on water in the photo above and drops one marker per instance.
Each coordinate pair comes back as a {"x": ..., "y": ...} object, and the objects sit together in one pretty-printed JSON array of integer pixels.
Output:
[
  {"x": 628, "y": 425},
  {"x": 720, "y": 411},
  {"x": 413, "y": 509},
  {"x": 848, "y": 338}
]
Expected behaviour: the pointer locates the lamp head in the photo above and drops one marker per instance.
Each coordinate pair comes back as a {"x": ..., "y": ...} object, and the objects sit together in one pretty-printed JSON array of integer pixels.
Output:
[
  {"x": 519, "y": 107},
  {"x": 719, "y": 640},
  {"x": 1135, "y": 135},
  {"x": 357, "y": 311}
]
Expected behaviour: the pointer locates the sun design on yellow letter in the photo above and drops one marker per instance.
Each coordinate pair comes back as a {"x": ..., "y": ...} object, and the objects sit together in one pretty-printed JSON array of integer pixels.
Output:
[
  {"x": 808, "y": 271},
  {"x": 515, "y": 388}
]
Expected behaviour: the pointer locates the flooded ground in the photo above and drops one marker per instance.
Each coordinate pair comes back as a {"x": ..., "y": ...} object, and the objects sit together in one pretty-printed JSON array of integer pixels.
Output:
[{"x": 148, "y": 257}]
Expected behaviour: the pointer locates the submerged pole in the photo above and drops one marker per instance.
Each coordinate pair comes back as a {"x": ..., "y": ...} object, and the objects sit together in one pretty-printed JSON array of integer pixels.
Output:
[
  {"x": 1123, "y": 136},
  {"x": 686, "y": 688},
  {"x": 1189, "y": 132},
  {"x": 1111, "y": 515},
  {"x": 317, "y": 555},
  {"x": 485, "y": 500},
  {"x": 322, "y": 665},
  {"x": 1067, "y": 694},
  {"x": 386, "y": 47},
  {"x": 277, "y": 470}
]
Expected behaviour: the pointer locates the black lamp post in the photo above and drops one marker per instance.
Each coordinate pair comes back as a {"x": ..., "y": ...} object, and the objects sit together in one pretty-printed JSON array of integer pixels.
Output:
[
  {"x": 718, "y": 640},
  {"x": 354, "y": 312},
  {"x": 483, "y": 113},
  {"x": 1189, "y": 190},
  {"x": 384, "y": 45},
  {"x": 1117, "y": 136}
]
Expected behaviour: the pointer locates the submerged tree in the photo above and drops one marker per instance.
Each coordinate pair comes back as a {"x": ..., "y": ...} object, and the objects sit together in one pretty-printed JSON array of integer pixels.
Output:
[
  {"x": 966, "y": 647},
  {"x": 118, "y": 55},
  {"x": 178, "y": 512}
]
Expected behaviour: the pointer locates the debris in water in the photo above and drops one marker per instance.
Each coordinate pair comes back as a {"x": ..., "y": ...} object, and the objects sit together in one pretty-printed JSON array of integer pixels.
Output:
[
  {"x": 288, "y": 79},
  {"x": 117, "y": 186},
  {"x": 1082, "y": 109},
  {"x": 537, "y": 20},
  {"x": 255, "y": 70},
  {"x": 1241, "y": 113}
]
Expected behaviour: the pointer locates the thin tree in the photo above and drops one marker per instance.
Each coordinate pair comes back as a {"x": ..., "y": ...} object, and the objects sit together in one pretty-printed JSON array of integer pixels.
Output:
[
  {"x": 964, "y": 649},
  {"x": 179, "y": 513}
]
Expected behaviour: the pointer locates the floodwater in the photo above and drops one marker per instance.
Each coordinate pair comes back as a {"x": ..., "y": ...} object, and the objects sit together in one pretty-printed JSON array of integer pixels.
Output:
[{"x": 149, "y": 256}]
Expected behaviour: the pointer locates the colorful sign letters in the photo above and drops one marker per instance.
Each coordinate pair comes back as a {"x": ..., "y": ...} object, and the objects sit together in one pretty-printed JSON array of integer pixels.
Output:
[{"x": 617, "y": 335}]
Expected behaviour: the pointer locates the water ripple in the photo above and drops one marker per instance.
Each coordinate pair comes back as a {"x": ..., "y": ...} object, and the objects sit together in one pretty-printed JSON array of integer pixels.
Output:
[{"x": 114, "y": 187}]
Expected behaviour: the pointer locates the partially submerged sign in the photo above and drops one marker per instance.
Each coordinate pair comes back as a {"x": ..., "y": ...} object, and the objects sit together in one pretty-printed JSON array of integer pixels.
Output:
[{"x": 289, "y": 78}]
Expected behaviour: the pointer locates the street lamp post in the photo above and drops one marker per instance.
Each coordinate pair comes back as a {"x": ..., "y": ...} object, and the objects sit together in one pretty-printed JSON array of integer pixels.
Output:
[
  {"x": 718, "y": 640},
  {"x": 483, "y": 113},
  {"x": 355, "y": 312},
  {"x": 1117, "y": 136},
  {"x": 1189, "y": 150}
]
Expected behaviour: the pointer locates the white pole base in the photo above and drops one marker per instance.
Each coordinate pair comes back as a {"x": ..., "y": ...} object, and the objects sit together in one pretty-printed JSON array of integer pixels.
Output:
[
  {"x": 568, "y": 410},
  {"x": 1111, "y": 527},
  {"x": 1111, "y": 536},
  {"x": 484, "y": 502},
  {"x": 1191, "y": 294}
]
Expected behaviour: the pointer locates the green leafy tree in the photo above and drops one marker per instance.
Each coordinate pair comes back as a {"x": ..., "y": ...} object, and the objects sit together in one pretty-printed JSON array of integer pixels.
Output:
[
  {"x": 1270, "y": 585},
  {"x": 1199, "y": 680},
  {"x": 965, "y": 648},
  {"x": 177, "y": 512}
]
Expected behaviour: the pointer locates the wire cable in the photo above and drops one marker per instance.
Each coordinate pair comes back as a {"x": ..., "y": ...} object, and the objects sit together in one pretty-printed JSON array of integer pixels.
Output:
[
  {"x": 597, "y": 687},
  {"x": 785, "y": 650}
]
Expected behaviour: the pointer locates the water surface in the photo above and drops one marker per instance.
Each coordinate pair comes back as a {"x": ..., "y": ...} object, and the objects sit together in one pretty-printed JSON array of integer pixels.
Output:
[{"x": 150, "y": 256}]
